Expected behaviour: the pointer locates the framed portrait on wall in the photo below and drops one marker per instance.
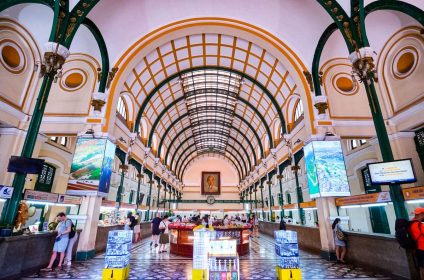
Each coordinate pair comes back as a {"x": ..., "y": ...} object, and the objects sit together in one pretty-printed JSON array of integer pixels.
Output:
[{"x": 211, "y": 183}]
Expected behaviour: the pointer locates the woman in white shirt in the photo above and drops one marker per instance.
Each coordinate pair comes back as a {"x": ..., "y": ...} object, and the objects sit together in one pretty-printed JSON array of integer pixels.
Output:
[
  {"x": 164, "y": 234},
  {"x": 226, "y": 220}
]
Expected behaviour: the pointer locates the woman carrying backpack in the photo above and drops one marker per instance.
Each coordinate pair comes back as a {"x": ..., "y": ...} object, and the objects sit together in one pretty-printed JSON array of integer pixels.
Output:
[{"x": 339, "y": 240}]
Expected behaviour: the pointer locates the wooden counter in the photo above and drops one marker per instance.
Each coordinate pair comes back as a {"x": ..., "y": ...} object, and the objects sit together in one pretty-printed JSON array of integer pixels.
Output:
[{"x": 181, "y": 239}]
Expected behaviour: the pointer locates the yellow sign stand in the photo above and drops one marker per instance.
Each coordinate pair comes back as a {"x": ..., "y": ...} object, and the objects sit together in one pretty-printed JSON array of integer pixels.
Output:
[
  {"x": 199, "y": 274},
  {"x": 288, "y": 274},
  {"x": 116, "y": 273}
]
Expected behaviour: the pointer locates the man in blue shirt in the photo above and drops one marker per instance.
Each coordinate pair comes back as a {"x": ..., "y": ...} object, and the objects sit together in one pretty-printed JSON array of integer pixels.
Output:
[{"x": 155, "y": 230}]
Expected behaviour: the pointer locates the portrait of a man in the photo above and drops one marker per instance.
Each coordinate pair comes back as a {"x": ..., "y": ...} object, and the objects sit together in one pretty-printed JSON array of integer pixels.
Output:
[{"x": 211, "y": 183}]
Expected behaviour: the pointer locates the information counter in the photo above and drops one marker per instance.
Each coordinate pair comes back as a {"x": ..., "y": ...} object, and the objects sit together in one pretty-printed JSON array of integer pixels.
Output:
[{"x": 181, "y": 238}]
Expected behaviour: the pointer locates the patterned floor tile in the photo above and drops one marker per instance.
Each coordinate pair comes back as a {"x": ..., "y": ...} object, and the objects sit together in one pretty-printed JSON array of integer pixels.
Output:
[{"x": 259, "y": 264}]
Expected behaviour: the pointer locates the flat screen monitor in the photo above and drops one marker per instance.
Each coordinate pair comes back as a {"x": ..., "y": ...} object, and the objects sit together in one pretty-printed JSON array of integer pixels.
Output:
[
  {"x": 25, "y": 165},
  {"x": 393, "y": 172}
]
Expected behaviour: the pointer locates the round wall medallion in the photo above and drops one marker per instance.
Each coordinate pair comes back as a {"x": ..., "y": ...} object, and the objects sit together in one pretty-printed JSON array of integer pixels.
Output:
[
  {"x": 73, "y": 80},
  {"x": 405, "y": 62},
  {"x": 210, "y": 199},
  {"x": 12, "y": 57},
  {"x": 343, "y": 83}
]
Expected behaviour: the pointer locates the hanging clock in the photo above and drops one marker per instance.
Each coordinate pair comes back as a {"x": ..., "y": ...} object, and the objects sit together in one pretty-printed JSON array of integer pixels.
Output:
[{"x": 210, "y": 199}]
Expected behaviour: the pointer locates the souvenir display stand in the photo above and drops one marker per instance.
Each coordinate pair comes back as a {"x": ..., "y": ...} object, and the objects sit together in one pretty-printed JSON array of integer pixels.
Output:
[
  {"x": 287, "y": 248},
  {"x": 117, "y": 257},
  {"x": 223, "y": 261},
  {"x": 201, "y": 242}
]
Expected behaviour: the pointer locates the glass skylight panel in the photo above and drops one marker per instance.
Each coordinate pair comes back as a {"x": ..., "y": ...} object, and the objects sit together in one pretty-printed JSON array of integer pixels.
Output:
[{"x": 211, "y": 97}]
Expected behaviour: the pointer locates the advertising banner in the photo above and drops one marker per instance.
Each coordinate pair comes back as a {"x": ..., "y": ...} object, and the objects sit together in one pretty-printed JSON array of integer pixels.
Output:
[
  {"x": 325, "y": 169},
  {"x": 364, "y": 199},
  {"x": 35, "y": 196},
  {"x": 413, "y": 193},
  {"x": 91, "y": 167}
]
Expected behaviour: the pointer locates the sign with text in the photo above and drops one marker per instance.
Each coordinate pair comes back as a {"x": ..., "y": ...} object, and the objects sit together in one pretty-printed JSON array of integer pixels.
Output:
[
  {"x": 325, "y": 169},
  {"x": 127, "y": 206},
  {"x": 379, "y": 197},
  {"x": 393, "y": 172},
  {"x": 69, "y": 199},
  {"x": 6, "y": 192},
  {"x": 109, "y": 203},
  {"x": 290, "y": 206},
  {"x": 413, "y": 193},
  {"x": 35, "y": 196},
  {"x": 309, "y": 204}
]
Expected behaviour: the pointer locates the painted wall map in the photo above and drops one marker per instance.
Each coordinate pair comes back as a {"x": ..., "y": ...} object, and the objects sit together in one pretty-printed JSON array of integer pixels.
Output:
[
  {"x": 91, "y": 167},
  {"x": 325, "y": 169},
  {"x": 211, "y": 183}
]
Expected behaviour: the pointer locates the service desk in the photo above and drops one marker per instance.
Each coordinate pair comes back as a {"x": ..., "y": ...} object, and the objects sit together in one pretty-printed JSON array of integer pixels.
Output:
[{"x": 181, "y": 238}]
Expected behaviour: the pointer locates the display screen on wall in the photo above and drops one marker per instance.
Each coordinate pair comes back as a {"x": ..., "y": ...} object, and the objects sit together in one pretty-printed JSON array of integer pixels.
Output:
[
  {"x": 325, "y": 169},
  {"x": 91, "y": 167},
  {"x": 394, "y": 172}
]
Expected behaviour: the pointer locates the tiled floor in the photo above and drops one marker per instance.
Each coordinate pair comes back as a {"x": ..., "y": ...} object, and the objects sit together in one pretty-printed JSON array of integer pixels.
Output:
[{"x": 259, "y": 264}]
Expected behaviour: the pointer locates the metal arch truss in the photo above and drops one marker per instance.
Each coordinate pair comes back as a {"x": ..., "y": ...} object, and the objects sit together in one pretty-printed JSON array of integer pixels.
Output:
[
  {"x": 176, "y": 101},
  {"x": 188, "y": 127},
  {"x": 215, "y": 137},
  {"x": 219, "y": 68}
]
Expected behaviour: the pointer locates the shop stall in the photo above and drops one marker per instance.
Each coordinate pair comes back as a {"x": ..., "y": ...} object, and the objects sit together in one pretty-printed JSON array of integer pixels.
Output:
[{"x": 181, "y": 237}]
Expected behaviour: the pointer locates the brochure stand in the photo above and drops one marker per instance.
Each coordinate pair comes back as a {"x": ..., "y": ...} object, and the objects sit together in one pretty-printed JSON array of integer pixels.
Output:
[
  {"x": 223, "y": 262},
  {"x": 201, "y": 241},
  {"x": 117, "y": 259},
  {"x": 287, "y": 248}
]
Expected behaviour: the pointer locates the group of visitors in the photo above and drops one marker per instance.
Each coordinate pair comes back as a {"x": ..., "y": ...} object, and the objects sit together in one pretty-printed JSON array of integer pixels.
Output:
[
  {"x": 160, "y": 233},
  {"x": 64, "y": 243}
]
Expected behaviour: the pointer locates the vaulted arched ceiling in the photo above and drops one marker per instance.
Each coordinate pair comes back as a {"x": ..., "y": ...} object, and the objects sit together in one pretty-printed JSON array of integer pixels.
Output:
[{"x": 228, "y": 90}]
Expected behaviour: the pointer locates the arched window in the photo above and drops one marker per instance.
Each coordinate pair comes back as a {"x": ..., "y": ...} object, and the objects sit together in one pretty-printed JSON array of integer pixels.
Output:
[
  {"x": 54, "y": 139},
  {"x": 353, "y": 144},
  {"x": 64, "y": 141},
  {"x": 121, "y": 109},
  {"x": 356, "y": 143},
  {"x": 298, "y": 112}
]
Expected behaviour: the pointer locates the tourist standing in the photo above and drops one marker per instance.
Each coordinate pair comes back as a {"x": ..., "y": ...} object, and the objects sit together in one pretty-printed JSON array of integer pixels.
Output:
[
  {"x": 282, "y": 225},
  {"x": 226, "y": 220},
  {"x": 339, "y": 240},
  {"x": 155, "y": 230},
  {"x": 71, "y": 243},
  {"x": 243, "y": 218},
  {"x": 417, "y": 233},
  {"x": 63, "y": 229},
  {"x": 136, "y": 229},
  {"x": 164, "y": 234}
]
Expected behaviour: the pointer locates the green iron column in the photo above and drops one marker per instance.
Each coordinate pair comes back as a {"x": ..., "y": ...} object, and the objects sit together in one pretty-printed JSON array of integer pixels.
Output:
[
  {"x": 262, "y": 198},
  {"x": 158, "y": 202},
  {"x": 139, "y": 177},
  {"x": 385, "y": 148},
  {"x": 269, "y": 183},
  {"x": 299, "y": 192},
  {"x": 11, "y": 206},
  {"x": 149, "y": 198},
  {"x": 164, "y": 196},
  {"x": 256, "y": 201},
  {"x": 280, "y": 198},
  {"x": 250, "y": 198},
  {"x": 123, "y": 168}
]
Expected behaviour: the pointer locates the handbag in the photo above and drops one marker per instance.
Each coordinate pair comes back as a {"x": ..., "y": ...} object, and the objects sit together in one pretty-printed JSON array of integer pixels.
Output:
[{"x": 340, "y": 235}]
